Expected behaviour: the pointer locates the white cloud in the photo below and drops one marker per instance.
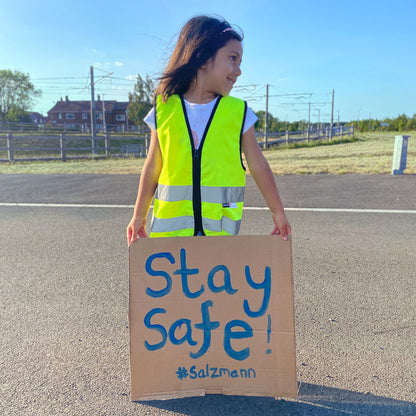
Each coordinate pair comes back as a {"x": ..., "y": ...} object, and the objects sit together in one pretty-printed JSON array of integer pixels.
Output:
[
  {"x": 102, "y": 65},
  {"x": 131, "y": 77},
  {"x": 118, "y": 63}
]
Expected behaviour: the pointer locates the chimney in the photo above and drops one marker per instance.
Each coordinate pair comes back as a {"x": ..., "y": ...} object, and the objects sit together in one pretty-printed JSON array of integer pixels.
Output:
[
  {"x": 99, "y": 98},
  {"x": 66, "y": 98}
]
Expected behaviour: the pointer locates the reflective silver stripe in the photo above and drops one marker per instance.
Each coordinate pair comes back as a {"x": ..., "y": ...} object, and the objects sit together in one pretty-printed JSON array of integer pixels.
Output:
[
  {"x": 220, "y": 195},
  {"x": 173, "y": 193},
  {"x": 161, "y": 225},
  {"x": 212, "y": 194},
  {"x": 164, "y": 225},
  {"x": 225, "y": 224}
]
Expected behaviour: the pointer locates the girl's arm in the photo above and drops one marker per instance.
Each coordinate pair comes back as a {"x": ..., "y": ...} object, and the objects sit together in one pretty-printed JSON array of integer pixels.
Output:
[
  {"x": 263, "y": 176},
  {"x": 147, "y": 187}
]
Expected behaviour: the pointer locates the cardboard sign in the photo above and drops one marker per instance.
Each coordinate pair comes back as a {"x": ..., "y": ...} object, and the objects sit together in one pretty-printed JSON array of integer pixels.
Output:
[{"x": 211, "y": 315}]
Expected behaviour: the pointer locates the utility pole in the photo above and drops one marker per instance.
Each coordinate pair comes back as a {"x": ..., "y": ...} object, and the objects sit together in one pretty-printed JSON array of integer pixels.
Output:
[
  {"x": 104, "y": 124},
  {"x": 338, "y": 125},
  {"x": 309, "y": 123},
  {"x": 319, "y": 121},
  {"x": 93, "y": 121},
  {"x": 266, "y": 117},
  {"x": 332, "y": 115}
]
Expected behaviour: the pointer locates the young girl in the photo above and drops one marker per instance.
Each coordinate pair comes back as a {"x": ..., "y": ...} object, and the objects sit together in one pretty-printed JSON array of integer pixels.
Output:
[{"x": 198, "y": 132}]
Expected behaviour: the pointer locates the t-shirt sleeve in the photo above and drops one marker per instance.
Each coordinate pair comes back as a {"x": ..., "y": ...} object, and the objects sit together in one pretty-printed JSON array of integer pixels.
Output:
[
  {"x": 250, "y": 119},
  {"x": 150, "y": 119}
]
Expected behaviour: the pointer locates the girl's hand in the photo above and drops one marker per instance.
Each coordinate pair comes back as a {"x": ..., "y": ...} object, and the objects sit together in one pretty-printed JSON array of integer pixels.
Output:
[
  {"x": 281, "y": 226},
  {"x": 147, "y": 186},
  {"x": 136, "y": 228}
]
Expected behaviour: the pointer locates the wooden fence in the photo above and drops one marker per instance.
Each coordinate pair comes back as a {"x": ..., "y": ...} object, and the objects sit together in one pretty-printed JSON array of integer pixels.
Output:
[
  {"x": 290, "y": 137},
  {"x": 64, "y": 147},
  {"x": 71, "y": 128}
]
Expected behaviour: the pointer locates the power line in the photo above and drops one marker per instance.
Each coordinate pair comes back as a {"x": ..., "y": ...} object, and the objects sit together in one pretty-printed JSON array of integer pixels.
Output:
[
  {"x": 305, "y": 103},
  {"x": 299, "y": 95}
]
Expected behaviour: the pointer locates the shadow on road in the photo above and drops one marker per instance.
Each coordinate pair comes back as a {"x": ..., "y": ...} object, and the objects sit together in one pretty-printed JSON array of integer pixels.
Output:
[{"x": 312, "y": 400}]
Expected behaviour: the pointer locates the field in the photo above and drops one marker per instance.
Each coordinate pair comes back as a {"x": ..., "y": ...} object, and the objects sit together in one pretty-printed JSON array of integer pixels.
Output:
[{"x": 370, "y": 153}]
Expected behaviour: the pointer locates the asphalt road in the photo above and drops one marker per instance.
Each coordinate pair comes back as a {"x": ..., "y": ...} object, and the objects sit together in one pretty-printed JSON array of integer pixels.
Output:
[{"x": 64, "y": 297}]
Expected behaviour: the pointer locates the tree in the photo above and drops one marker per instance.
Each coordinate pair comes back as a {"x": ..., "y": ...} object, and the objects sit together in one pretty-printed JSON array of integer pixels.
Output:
[
  {"x": 259, "y": 125},
  {"x": 17, "y": 93},
  {"x": 400, "y": 122},
  {"x": 16, "y": 115},
  {"x": 411, "y": 123},
  {"x": 141, "y": 100}
]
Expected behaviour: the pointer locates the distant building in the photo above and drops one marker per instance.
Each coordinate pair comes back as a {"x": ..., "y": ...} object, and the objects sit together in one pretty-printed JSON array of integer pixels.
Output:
[
  {"x": 38, "y": 118},
  {"x": 74, "y": 114}
]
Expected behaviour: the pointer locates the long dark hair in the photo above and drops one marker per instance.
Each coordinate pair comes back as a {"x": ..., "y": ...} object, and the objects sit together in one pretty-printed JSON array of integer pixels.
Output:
[{"x": 199, "y": 40}]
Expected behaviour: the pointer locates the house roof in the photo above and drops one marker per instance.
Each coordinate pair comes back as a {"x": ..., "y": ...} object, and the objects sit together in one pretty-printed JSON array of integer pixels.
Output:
[
  {"x": 67, "y": 106},
  {"x": 36, "y": 114}
]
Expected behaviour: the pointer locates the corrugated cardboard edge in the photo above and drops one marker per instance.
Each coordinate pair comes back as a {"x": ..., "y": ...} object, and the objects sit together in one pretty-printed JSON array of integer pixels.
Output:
[
  {"x": 293, "y": 395},
  {"x": 169, "y": 395}
]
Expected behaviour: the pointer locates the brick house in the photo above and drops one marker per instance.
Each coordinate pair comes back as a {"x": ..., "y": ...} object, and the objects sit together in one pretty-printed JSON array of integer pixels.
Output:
[{"x": 77, "y": 114}]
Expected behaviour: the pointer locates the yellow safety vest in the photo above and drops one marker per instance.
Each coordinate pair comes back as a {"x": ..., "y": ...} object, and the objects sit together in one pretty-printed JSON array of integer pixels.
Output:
[{"x": 200, "y": 191}]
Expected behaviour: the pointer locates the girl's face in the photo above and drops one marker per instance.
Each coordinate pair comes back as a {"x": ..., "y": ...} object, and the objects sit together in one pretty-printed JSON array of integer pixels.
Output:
[{"x": 222, "y": 71}]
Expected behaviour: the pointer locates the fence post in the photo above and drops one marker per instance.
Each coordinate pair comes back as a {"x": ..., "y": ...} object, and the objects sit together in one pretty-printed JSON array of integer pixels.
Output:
[
  {"x": 107, "y": 144},
  {"x": 10, "y": 150},
  {"x": 62, "y": 145},
  {"x": 287, "y": 137}
]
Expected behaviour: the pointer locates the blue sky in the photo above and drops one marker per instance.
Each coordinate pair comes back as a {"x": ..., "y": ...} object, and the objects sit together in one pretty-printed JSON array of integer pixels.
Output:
[{"x": 363, "y": 49}]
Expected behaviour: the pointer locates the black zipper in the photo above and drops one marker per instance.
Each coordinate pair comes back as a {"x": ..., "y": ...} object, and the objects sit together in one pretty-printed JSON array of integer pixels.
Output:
[
  {"x": 196, "y": 194},
  {"x": 196, "y": 169}
]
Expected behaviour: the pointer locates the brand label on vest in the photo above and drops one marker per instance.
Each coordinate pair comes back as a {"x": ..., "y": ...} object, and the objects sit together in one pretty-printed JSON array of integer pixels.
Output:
[{"x": 229, "y": 205}]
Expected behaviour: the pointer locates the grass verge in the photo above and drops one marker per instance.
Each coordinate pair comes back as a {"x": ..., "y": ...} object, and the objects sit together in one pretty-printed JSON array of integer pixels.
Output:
[{"x": 368, "y": 153}]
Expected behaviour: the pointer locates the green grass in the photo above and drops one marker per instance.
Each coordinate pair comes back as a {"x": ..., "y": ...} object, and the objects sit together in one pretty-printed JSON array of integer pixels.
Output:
[{"x": 368, "y": 153}]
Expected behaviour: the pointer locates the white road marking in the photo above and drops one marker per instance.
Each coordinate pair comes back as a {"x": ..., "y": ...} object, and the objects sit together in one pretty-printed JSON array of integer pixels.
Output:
[
  {"x": 103, "y": 206},
  {"x": 47, "y": 205}
]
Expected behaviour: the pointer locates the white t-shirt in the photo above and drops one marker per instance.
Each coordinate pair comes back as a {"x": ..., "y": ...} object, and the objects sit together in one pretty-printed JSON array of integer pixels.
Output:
[{"x": 198, "y": 116}]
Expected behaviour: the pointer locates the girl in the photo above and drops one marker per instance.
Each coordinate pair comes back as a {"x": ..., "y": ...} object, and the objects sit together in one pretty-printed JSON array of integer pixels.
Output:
[{"x": 198, "y": 131}]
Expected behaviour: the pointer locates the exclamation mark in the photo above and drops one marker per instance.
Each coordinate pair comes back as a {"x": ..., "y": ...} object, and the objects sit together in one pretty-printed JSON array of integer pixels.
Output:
[{"x": 269, "y": 332}]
